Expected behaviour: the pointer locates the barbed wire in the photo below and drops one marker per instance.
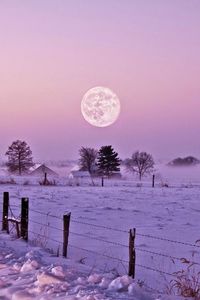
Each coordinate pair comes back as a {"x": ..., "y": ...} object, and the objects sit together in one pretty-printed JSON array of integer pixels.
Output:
[
  {"x": 38, "y": 223},
  {"x": 98, "y": 239},
  {"x": 75, "y": 220},
  {"x": 98, "y": 226},
  {"x": 110, "y": 228},
  {"x": 139, "y": 234},
  {"x": 155, "y": 270},
  {"x": 48, "y": 214},
  {"x": 126, "y": 262},
  {"x": 167, "y": 240},
  {"x": 44, "y": 236},
  {"x": 14, "y": 205},
  {"x": 182, "y": 259},
  {"x": 100, "y": 254},
  {"x": 46, "y": 225},
  {"x": 12, "y": 214}
]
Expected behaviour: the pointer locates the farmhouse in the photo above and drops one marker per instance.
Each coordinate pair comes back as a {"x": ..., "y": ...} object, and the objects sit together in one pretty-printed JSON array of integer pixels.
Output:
[
  {"x": 79, "y": 175},
  {"x": 42, "y": 170}
]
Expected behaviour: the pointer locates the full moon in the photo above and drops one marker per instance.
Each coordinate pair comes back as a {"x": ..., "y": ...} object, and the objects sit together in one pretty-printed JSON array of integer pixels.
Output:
[{"x": 100, "y": 106}]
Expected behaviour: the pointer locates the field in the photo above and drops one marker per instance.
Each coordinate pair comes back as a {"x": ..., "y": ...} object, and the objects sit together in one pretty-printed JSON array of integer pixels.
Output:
[{"x": 102, "y": 216}]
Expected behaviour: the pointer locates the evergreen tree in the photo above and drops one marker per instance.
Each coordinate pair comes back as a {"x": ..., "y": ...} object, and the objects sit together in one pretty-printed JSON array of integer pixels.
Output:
[
  {"x": 108, "y": 161},
  {"x": 19, "y": 157}
]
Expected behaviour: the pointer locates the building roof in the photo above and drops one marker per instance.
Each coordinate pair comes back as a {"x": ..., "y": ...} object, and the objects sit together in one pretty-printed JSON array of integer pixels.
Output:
[{"x": 41, "y": 170}]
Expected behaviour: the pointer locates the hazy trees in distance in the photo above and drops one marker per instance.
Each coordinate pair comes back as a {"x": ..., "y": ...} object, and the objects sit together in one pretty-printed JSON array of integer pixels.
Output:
[
  {"x": 108, "y": 161},
  {"x": 19, "y": 157},
  {"x": 140, "y": 162},
  {"x": 87, "y": 159}
]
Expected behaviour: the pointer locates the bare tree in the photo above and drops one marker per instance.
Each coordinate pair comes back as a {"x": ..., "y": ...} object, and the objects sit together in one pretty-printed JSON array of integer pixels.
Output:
[
  {"x": 141, "y": 163},
  {"x": 87, "y": 159},
  {"x": 19, "y": 157}
]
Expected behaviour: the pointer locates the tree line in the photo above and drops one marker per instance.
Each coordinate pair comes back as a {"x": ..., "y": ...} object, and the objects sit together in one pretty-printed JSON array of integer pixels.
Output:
[{"x": 102, "y": 162}]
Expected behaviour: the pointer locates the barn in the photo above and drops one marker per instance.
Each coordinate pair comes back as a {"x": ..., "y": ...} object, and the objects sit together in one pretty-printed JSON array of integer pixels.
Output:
[{"x": 42, "y": 170}]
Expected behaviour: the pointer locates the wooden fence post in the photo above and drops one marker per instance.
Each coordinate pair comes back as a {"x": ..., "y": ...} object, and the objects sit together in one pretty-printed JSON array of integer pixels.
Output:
[
  {"x": 5, "y": 211},
  {"x": 66, "y": 224},
  {"x": 132, "y": 254},
  {"x": 153, "y": 181},
  {"x": 24, "y": 218}
]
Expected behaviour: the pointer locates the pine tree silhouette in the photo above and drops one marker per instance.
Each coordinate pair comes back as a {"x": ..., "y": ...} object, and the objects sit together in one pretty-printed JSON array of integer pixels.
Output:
[
  {"x": 108, "y": 161},
  {"x": 19, "y": 157}
]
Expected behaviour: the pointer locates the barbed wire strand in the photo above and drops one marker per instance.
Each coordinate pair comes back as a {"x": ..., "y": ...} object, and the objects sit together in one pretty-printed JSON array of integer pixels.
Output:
[
  {"x": 46, "y": 225},
  {"x": 126, "y": 262},
  {"x": 155, "y": 270},
  {"x": 100, "y": 254},
  {"x": 119, "y": 230},
  {"x": 167, "y": 240},
  {"x": 98, "y": 226},
  {"x": 137, "y": 234},
  {"x": 42, "y": 235},
  {"x": 98, "y": 239},
  {"x": 166, "y": 255},
  {"x": 14, "y": 205},
  {"x": 48, "y": 214},
  {"x": 12, "y": 214}
]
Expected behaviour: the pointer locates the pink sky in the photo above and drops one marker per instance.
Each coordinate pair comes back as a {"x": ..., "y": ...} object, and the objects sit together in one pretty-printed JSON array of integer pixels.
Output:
[{"x": 146, "y": 51}]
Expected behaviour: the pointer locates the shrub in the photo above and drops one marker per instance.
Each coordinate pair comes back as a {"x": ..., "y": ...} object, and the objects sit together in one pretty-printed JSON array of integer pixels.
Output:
[
  {"x": 48, "y": 182},
  {"x": 8, "y": 181},
  {"x": 186, "y": 282},
  {"x": 26, "y": 182}
]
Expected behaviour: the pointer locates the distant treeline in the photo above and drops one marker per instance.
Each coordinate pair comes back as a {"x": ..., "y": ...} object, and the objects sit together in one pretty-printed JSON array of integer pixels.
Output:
[{"x": 185, "y": 161}]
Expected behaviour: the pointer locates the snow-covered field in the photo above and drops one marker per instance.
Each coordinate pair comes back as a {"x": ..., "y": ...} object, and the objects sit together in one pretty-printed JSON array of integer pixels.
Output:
[
  {"x": 165, "y": 213},
  {"x": 28, "y": 273}
]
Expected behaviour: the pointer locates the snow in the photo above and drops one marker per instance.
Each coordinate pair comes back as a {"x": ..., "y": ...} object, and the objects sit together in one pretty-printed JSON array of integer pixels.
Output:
[
  {"x": 97, "y": 266},
  {"x": 29, "y": 272}
]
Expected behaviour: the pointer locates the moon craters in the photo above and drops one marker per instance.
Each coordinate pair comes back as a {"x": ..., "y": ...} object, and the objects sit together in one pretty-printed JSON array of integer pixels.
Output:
[{"x": 100, "y": 107}]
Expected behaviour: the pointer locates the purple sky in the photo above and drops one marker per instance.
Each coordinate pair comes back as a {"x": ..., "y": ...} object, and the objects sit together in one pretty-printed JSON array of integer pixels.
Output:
[{"x": 146, "y": 51}]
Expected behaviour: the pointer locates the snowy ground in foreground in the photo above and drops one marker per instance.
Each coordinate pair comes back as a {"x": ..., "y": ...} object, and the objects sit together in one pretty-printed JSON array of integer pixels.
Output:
[
  {"x": 171, "y": 213},
  {"x": 29, "y": 273}
]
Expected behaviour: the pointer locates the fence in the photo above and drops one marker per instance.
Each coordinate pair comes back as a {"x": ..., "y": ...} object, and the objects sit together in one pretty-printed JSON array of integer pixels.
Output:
[
  {"x": 189, "y": 180},
  {"x": 65, "y": 235}
]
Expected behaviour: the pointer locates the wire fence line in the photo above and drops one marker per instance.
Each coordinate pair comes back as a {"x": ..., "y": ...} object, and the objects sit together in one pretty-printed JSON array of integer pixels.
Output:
[
  {"x": 47, "y": 236},
  {"x": 181, "y": 259},
  {"x": 169, "y": 240},
  {"x": 45, "y": 214},
  {"x": 100, "y": 254},
  {"x": 155, "y": 270},
  {"x": 46, "y": 225},
  {"x": 98, "y": 226},
  {"x": 110, "y": 242},
  {"x": 98, "y": 239},
  {"x": 74, "y": 220}
]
